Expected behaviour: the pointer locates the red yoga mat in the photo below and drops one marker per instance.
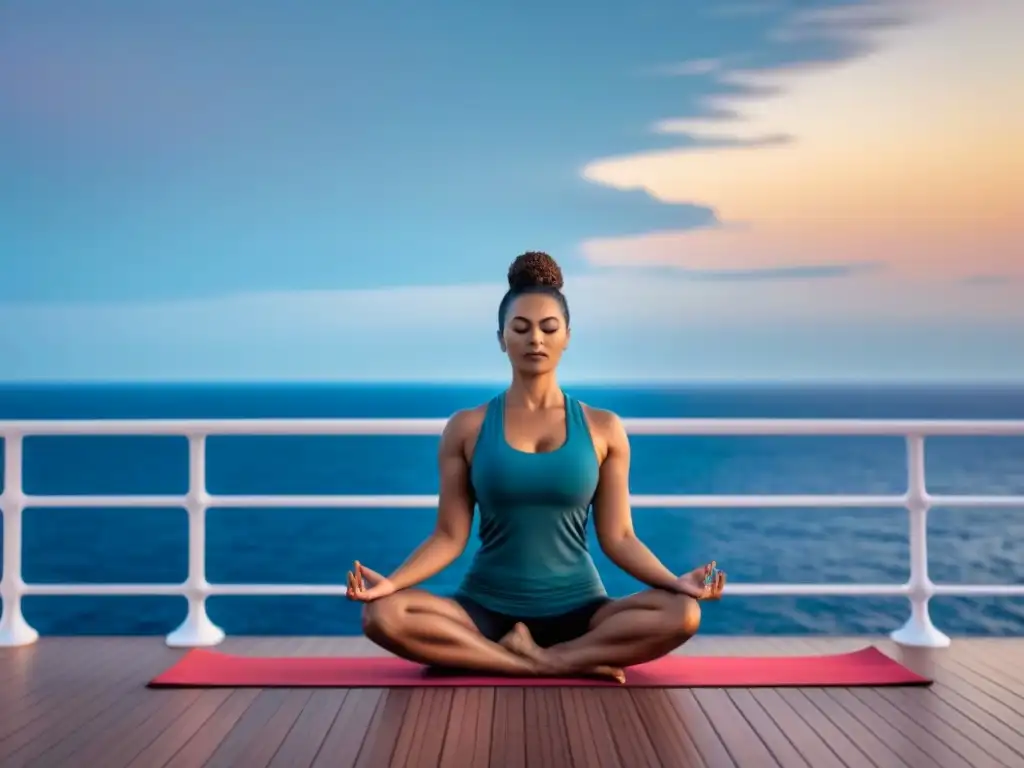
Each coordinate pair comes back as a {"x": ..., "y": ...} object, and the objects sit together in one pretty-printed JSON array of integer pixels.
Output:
[{"x": 212, "y": 669}]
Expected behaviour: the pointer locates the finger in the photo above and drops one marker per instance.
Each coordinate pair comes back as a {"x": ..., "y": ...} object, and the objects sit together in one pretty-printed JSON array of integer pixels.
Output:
[
  {"x": 351, "y": 582},
  {"x": 367, "y": 576},
  {"x": 359, "y": 575},
  {"x": 719, "y": 586},
  {"x": 372, "y": 575}
]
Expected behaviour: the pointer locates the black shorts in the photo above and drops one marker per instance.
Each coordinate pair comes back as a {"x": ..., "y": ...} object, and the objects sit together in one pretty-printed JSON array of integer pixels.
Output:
[{"x": 546, "y": 630}]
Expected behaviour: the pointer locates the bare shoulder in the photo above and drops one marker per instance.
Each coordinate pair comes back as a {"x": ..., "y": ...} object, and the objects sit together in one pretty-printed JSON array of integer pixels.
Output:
[
  {"x": 466, "y": 421},
  {"x": 462, "y": 430},
  {"x": 602, "y": 420},
  {"x": 607, "y": 430}
]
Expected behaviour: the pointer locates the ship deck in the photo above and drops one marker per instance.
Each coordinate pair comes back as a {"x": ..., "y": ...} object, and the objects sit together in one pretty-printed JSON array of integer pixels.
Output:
[{"x": 82, "y": 701}]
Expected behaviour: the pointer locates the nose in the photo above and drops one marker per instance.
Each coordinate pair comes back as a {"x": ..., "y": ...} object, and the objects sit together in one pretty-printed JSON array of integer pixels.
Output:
[{"x": 536, "y": 338}]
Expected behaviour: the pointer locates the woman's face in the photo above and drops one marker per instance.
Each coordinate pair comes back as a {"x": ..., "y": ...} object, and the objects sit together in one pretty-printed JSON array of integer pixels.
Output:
[{"x": 535, "y": 334}]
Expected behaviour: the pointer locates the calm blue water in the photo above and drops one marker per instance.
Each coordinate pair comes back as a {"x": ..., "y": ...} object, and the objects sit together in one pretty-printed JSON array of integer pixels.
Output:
[{"x": 317, "y": 546}]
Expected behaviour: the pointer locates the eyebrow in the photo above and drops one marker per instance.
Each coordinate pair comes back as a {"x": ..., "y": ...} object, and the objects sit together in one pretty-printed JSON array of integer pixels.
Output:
[{"x": 528, "y": 320}]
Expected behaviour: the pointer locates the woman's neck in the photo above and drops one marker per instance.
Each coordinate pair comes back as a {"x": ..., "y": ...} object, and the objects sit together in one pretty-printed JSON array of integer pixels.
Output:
[{"x": 535, "y": 392}]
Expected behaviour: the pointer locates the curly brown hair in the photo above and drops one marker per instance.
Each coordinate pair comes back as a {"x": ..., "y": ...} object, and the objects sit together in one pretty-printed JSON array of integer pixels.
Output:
[
  {"x": 533, "y": 272},
  {"x": 535, "y": 269}
]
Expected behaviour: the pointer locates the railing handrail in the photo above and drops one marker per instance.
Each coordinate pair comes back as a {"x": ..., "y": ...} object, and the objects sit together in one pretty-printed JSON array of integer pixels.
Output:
[
  {"x": 198, "y": 630},
  {"x": 413, "y": 427}
]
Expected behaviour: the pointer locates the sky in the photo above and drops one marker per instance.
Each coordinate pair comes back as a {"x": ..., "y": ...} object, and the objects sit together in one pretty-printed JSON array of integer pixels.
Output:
[{"x": 737, "y": 190}]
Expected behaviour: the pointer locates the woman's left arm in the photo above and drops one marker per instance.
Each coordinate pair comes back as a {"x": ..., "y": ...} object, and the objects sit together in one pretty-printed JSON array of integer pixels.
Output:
[{"x": 613, "y": 519}]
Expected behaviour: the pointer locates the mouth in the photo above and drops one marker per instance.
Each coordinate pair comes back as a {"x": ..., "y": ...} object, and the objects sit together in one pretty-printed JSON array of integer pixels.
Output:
[{"x": 536, "y": 356}]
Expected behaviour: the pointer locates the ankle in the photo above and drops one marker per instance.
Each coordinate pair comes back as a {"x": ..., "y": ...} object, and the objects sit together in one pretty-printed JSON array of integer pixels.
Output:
[{"x": 555, "y": 663}]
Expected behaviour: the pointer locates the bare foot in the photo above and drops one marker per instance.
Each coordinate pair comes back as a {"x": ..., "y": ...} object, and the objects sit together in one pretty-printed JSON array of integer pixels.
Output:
[{"x": 521, "y": 642}]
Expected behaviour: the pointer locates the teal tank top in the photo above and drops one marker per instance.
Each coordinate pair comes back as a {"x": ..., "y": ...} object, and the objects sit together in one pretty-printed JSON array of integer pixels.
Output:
[{"x": 533, "y": 558}]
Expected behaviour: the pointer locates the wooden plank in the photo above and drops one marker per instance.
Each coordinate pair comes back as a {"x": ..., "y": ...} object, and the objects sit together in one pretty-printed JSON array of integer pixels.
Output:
[
  {"x": 118, "y": 746},
  {"x": 934, "y": 714},
  {"x": 958, "y": 699},
  {"x": 198, "y": 747},
  {"x": 632, "y": 743},
  {"x": 587, "y": 730},
  {"x": 544, "y": 730},
  {"x": 77, "y": 709},
  {"x": 177, "y": 733},
  {"x": 943, "y": 744},
  {"x": 252, "y": 739},
  {"x": 83, "y": 701},
  {"x": 910, "y": 746},
  {"x": 38, "y": 672},
  {"x": 117, "y": 722},
  {"x": 699, "y": 726},
  {"x": 48, "y": 680},
  {"x": 669, "y": 737},
  {"x": 421, "y": 738},
  {"x": 999, "y": 681},
  {"x": 508, "y": 742},
  {"x": 382, "y": 733},
  {"x": 345, "y": 737},
  {"x": 303, "y": 742},
  {"x": 872, "y": 745},
  {"x": 467, "y": 738},
  {"x": 882, "y": 751},
  {"x": 770, "y": 734},
  {"x": 741, "y": 739},
  {"x": 813, "y": 746}
]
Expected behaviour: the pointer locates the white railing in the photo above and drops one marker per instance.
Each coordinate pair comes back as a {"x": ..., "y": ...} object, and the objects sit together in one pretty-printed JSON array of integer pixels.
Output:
[{"x": 198, "y": 630}]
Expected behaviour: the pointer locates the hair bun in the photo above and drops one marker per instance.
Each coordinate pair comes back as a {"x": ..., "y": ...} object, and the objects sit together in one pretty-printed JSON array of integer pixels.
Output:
[{"x": 535, "y": 269}]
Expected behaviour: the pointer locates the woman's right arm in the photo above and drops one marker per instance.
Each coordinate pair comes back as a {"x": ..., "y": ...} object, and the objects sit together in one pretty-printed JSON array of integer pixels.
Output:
[{"x": 454, "y": 509}]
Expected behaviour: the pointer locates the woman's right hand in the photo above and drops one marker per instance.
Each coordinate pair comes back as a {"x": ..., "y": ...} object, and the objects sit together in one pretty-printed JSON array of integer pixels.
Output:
[{"x": 366, "y": 585}]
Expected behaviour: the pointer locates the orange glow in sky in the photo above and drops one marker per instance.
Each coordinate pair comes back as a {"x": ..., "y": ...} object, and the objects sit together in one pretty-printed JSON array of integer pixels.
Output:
[{"x": 910, "y": 157}]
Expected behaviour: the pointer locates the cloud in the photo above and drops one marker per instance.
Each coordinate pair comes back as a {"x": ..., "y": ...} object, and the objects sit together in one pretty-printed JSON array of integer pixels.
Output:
[
  {"x": 853, "y": 24},
  {"x": 691, "y": 67},
  {"x": 809, "y": 272},
  {"x": 907, "y": 156},
  {"x": 627, "y": 324}
]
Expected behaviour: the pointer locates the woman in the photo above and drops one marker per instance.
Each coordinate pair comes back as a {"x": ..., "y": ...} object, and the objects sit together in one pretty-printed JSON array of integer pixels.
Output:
[{"x": 533, "y": 460}]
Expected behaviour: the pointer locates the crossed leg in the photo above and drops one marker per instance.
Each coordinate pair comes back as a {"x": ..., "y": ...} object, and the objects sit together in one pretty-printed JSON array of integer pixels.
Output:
[
  {"x": 625, "y": 632},
  {"x": 436, "y": 631}
]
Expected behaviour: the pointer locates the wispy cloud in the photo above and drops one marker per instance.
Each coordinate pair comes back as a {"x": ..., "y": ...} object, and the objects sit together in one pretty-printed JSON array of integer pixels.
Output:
[
  {"x": 906, "y": 156},
  {"x": 808, "y": 272},
  {"x": 624, "y": 321},
  {"x": 690, "y": 68},
  {"x": 853, "y": 24}
]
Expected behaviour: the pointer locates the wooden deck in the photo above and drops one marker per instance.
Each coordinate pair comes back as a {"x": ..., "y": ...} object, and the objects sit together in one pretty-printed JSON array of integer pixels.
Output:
[{"x": 83, "y": 702}]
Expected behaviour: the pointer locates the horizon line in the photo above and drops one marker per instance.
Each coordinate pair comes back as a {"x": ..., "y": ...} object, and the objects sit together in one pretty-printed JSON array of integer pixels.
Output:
[{"x": 504, "y": 382}]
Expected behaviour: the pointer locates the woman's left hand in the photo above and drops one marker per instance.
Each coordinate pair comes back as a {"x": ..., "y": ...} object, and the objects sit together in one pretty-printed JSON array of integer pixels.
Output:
[{"x": 696, "y": 586}]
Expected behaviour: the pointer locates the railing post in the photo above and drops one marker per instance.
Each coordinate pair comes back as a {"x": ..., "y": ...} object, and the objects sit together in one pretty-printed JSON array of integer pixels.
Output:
[
  {"x": 919, "y": 630},
  {"x": 14, "y": 630},
  {"x": 196, "y": 629}
]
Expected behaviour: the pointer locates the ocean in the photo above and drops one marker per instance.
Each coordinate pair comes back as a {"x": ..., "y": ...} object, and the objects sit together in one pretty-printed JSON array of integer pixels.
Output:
[{"x": 318, "y": 546}]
